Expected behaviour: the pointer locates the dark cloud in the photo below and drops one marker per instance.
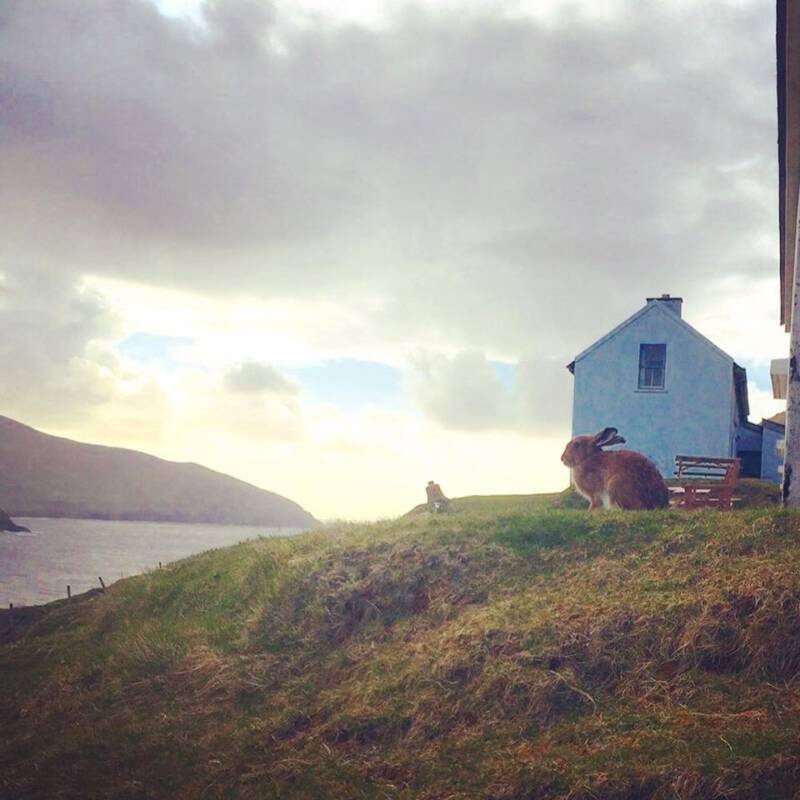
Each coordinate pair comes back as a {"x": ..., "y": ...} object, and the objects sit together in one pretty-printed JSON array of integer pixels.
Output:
[
  {"x": 491, "y": 179},
  {"x": 254, "y": 378}
]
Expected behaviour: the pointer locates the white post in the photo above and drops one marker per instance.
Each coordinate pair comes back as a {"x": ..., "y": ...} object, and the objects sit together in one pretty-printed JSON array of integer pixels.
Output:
[{"x": 791, "y": 453}]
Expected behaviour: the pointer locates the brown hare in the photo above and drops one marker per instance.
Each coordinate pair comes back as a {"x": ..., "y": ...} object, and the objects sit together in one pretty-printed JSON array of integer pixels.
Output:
[{"x": 618, "y": 479}]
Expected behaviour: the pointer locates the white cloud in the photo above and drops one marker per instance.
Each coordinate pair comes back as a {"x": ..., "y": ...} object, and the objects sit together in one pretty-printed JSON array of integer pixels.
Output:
[
  {"x": 762, "y": 403},
  {"x": 52, "y": 360},
  {"x": 464, "y": 392},
  {"x": 741, "y": 317}
]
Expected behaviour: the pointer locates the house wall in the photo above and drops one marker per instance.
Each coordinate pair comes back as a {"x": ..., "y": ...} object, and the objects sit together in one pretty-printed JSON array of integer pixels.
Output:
[
  {"x": 747, "y": 447},
  {"x": 747, "y": 438},
  {"x": 694, "y": 414},
  {"x": 770, "y": 459}
]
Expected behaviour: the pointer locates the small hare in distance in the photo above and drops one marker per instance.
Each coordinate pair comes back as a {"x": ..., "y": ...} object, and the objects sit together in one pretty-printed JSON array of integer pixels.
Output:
[{"x": 618, "y": 479}]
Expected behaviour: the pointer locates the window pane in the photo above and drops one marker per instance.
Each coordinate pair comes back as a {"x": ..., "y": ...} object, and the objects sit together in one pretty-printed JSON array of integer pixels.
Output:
[
  {"x": 652, "y": 363},
  {"x": 653, "y": 355}
]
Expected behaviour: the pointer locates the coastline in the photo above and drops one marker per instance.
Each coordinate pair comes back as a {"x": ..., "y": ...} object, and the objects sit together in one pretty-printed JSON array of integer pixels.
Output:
[{"x": 36, "y": 567}]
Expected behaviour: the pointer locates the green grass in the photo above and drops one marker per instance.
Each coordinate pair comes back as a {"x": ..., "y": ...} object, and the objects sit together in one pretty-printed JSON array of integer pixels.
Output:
[
  {"x": 505, "y": 503},
  {"x": 512, "y": 648}
]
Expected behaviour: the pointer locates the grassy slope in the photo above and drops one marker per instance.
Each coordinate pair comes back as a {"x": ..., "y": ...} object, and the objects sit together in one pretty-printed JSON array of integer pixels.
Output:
[{"x": 504, "y": 650}]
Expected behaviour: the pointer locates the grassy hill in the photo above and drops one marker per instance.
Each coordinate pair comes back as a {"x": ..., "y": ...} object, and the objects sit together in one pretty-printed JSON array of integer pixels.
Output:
[
  {"x": 508, "y": 650},
  {"x": 49, "y": 476}
]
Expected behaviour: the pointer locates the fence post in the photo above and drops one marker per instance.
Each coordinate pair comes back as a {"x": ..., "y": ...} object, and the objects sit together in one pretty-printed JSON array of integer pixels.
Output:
[
  {"x": 102, "y": 585},
  {"x": 69, "y": 592}
]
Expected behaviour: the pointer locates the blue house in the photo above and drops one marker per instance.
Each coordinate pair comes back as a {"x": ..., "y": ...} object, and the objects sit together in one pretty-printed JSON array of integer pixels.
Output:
[
  {"x": 772, "y": 447},
  {"x": 668, "y": 389}
]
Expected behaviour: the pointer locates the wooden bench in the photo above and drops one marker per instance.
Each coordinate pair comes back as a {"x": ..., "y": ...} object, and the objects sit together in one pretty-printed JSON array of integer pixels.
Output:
[{"x": 704, "y": 482}]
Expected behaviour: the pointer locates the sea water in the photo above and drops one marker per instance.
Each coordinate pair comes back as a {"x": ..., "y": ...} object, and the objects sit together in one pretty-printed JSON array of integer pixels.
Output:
[{"x": 36, "y": 567}]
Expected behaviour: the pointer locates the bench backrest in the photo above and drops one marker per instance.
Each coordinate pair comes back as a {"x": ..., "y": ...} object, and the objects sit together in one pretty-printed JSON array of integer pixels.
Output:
[{"x": 703, "y": 468}]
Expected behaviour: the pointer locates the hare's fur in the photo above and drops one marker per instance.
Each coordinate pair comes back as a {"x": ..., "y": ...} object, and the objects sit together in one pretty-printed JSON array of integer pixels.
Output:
[{"x": 619, "y": 479}]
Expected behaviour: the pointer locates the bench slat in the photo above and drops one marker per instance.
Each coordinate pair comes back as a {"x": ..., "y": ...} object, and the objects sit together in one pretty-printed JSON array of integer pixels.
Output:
[{"x": 705, "y": 481}]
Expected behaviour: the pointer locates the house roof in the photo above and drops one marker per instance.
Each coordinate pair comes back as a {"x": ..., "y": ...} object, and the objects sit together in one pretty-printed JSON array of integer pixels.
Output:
[
  {"x": 654, "y": 306},
  {"x": 778, "y": 419},
  {"x": 752, "y": 426},
  {"x": 787, "y": 48},
  {"x": 779, "y": 377},
  {"x": 740, "y": 387},
  {"x": 650, "y": 307}
]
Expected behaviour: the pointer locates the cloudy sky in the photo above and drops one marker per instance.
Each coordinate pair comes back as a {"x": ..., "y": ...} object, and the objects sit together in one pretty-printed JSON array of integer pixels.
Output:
[{"x": 338, "y": 253}]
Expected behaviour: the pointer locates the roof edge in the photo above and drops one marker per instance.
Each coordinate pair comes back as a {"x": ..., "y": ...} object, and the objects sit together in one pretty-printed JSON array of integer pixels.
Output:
[
  {"x": 769, "y": 423},
  {"x": 640, "y": 313},
  {"x": 740, "y": 387}
]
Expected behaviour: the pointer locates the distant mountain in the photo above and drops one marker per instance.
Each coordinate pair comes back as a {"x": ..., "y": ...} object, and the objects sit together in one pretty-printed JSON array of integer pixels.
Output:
[{"x": 48, "y": 476}]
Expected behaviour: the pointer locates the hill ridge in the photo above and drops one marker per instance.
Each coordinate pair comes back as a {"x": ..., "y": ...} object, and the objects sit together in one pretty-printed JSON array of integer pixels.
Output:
[{"x": 42, "y": 474}]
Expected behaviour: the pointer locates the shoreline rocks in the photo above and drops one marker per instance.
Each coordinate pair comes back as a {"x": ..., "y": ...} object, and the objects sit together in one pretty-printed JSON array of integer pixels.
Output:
[{"x": 8, "y": 524}]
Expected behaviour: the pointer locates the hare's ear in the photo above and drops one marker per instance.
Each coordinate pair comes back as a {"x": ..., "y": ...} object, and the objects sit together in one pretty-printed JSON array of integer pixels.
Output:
[
  {"x": 604, "y": 437},
  {"x": 614, "y": 440}
]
